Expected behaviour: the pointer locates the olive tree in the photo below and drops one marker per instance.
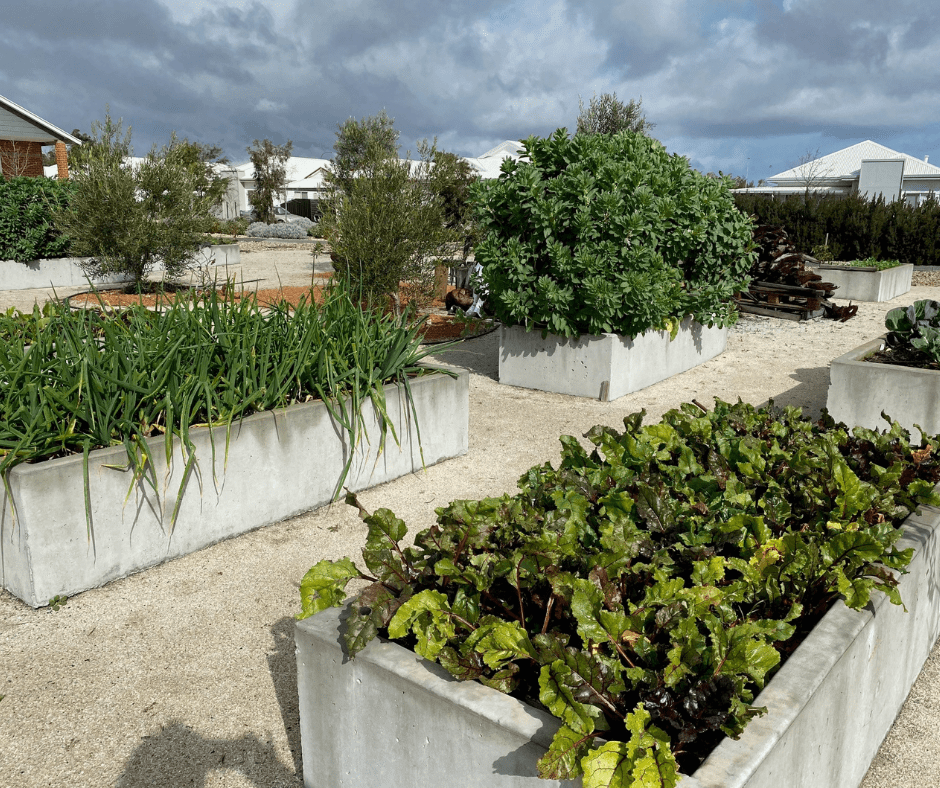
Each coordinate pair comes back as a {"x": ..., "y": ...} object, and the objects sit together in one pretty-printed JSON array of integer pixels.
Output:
[
  {"x": 129, "y": 217},
  {"x": 359, "y": 142},
  {"x": 606, "y": 114},
  {"x": 270, "y": 175},
  {"x": 386, "y": 220}
]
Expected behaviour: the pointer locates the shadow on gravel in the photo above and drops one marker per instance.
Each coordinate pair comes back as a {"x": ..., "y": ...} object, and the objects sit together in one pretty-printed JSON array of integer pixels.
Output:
[
  {"x": 810, "y": 392},
  {"x": 179, "y": 756},
  {"x": 480, "y": 355}
]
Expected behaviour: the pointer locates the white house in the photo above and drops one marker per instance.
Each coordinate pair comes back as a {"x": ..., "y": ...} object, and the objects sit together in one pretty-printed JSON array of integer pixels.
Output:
[
  {"x": 867, "y": 167},
  {"x": 306, "y": 177}
]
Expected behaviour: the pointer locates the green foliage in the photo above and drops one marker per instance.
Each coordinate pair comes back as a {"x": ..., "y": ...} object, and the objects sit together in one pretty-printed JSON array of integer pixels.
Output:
[
  {"x": 452, "y": 179},
  {"x": 27, "y": 229},
  {"x": 387, "y": 224},
  {"x": 644, "y": 591},
  {"x": 609, "y": 233},
  {"x": 79, "y": 380},
  {"x": 58, "y": 602},
  {"x": 872, "y": 262},
  {"x": 606, "y": 114},
  {"x": 199, "y": 160},
  {"x": 916, "y": 326},
  {"x": 129, "y": 218},
  {"x": 270, "y": 176},
  {"x": 856, "y": 228},
  {"x": 359, "y": 143},
  {"x": 233, "y": 227}
]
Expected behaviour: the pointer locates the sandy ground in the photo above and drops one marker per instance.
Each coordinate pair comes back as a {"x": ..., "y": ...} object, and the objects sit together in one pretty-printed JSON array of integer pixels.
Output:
[{"x": 184, "y": 675}]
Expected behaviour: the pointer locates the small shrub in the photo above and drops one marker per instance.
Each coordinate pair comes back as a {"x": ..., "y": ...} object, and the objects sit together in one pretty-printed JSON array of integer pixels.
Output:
[
  {"x": 231, "y": 227},
  {"x": 281, "y": 230},
  {"x": 27, "y": 228},
  {"x": 609, "y": 233},
  {"x": 130, "y": 218}
]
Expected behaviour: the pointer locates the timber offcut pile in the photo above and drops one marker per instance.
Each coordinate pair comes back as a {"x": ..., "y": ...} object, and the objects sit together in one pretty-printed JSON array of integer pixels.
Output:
[{"x": 782, "y": 285}]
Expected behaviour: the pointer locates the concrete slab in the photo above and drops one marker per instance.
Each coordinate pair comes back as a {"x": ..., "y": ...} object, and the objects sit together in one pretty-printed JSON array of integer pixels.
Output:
[
  {"x": 279, "y": 464},
  {"x": 859, "y": 391},
  {"x": 605, "y": 366},
  {"x": 390, "y": 719},
  {"x": 868, "y": 285}
]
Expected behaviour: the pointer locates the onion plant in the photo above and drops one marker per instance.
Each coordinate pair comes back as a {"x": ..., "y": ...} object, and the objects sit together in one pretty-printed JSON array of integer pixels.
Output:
[{"x": 75, "y": 380}]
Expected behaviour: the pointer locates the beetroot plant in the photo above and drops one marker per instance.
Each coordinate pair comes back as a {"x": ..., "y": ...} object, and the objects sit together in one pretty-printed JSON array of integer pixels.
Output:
[{"x": 643, "y": 592}]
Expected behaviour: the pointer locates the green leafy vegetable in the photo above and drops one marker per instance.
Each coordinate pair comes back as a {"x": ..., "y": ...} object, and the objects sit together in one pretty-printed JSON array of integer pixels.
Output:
[{"x": 645, "y": 592}]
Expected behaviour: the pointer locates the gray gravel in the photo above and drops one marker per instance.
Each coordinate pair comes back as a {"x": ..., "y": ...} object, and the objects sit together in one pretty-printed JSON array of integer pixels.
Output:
[{"x": 183, "y": 675}]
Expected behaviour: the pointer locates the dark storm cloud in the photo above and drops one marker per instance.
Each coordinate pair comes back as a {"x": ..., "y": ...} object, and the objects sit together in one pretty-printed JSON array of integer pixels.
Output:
[{"x": 725, "y": 81}]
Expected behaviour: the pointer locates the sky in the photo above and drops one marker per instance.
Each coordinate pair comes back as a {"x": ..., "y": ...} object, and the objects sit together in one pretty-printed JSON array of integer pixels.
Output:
[{"x": 747, "y": 88}]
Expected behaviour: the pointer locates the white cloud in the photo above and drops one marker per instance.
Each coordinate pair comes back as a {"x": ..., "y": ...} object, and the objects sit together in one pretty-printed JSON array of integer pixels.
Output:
[{"x": 266, "y": 105}]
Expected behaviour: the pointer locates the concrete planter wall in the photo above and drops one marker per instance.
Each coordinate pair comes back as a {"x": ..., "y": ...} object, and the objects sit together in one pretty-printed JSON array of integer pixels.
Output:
[
  {"x": 860, "y": 390},
  {"x": 389, "y": 719},
  {"x": 868, "y": 285},
  {"x": 280, "y": 463},
  {"x": 607, "y": 366},
  {"x": 67, "y": 271}
]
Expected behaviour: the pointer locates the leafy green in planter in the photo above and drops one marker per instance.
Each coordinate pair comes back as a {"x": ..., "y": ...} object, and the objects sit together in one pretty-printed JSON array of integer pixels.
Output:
[
  {"x": 916, "y": 326},
  {"x": 645, "y": 591},
  {"x": 873, "y": 262}
]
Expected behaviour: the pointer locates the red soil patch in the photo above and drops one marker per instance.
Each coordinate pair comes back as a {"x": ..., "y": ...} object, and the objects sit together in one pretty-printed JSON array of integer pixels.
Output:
[{"x": 439, "y": 326}]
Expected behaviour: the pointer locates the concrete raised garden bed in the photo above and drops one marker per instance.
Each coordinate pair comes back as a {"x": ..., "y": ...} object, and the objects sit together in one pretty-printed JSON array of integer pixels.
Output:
[
  {"x": 607, "y": 366},
  {"x": 67, "y": 271},
  {"x": 860, "y": 390},
  {"x": 280, "y": 463},
  {"x": 390, "y": 719},
  {"x": 867, "y": 284}
]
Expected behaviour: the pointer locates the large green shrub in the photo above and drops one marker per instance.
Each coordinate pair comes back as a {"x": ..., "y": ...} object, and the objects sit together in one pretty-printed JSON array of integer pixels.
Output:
[
  {"x": 853, "y": 227},
  {"x": 609, "y": 233},
  {"x": 27, "y": 231}
]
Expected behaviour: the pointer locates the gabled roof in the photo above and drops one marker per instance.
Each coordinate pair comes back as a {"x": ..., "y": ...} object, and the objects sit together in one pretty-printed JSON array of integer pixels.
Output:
[
  {"x": 21, "y": 124},
  {"x": 488, "y": 165},
  {"x": 508, "y": 148},
  {"x": 846, "y": 164},
  {"x": 298, "y": 168}
]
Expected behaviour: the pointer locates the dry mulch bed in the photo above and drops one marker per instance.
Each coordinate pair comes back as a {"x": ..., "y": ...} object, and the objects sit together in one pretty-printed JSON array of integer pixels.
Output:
[{"x": 439, "y": 327}]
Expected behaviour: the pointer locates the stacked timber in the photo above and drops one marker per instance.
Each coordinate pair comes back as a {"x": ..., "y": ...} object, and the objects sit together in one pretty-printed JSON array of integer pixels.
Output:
[{"x": 783, "y": 286}]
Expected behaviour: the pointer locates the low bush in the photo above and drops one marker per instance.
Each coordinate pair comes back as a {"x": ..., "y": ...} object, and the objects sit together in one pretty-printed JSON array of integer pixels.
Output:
[
  {"x": 609, "y": 233},
  {"x": 27, "y": 229},
  {"x": 644, "y": 592},
  {"x": 279, "y": 230},
  {"x": 853, "y": 227},
  {"x": 228, "y": 226}
]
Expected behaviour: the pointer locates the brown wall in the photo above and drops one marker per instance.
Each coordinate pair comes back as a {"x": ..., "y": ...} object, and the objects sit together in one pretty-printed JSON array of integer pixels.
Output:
[{"x": 20, "y": 158}]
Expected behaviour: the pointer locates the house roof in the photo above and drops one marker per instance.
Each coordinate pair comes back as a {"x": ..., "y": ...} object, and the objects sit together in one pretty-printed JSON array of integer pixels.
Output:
[
  {"x": 488, "y": 164},
  {"x": 19, "y": 124},
  {"x": 511, "y": 148},
  {"x": 846, "y": 164}
]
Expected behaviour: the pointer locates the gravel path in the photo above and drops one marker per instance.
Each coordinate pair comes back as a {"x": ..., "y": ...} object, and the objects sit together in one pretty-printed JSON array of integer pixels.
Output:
[{"x": 183, "y": 675}]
